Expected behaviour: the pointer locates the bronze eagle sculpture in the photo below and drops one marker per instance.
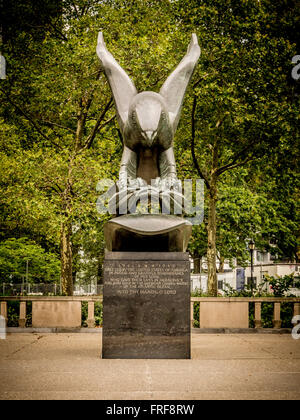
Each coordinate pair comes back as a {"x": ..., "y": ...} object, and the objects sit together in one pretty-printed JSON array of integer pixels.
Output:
[{"x": 148, "y": 121}]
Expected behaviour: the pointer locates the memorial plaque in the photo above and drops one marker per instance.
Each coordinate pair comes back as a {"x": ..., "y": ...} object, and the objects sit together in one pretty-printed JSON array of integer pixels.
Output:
[{"x": 146, "y": 305}]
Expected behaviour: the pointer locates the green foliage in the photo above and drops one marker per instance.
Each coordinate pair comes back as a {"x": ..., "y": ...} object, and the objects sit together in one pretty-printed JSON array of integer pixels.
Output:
[
  {"x": 267, "y": 310},
  {"x": 281, "y": 285},
  {"x": 13, "y": 309},
  {"x": 98, "y": 314},
  {"x": 259, "y": 291},
  {"x": 28, "y": 314},
  {"x": 286, "y": 314},
  {"x": 196, "y": 323},
  {"x": 16, "y": 254},
  {"x": 84, "y": 313},
  {"x": 58, "y": 133},
  {"x": 246, "y": 111},
  {"x": 251, "y": 315},
  {"x": 60, "y": 136}
]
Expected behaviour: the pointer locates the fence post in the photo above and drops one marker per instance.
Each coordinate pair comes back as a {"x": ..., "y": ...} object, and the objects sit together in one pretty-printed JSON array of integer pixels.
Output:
[
  {"x": 22, "y": 315},
  {"x": 91, "y": 314},
  {"x": 257, "y": 314},
  {"x": 3, "y": 309},
  {"x": 192, "y": 314},
  {"x": 297, "y": 310},
  {"x": 276, "y": 319}
]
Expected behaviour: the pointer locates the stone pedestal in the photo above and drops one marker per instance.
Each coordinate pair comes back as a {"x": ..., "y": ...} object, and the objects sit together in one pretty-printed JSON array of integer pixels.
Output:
[{"x": 146, "y": 305}]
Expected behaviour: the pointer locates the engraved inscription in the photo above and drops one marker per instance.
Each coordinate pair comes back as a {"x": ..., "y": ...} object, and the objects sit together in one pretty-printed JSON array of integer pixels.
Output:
[
  {"x": 146, "y": 278},
  {"x": 146, "y": 307}
]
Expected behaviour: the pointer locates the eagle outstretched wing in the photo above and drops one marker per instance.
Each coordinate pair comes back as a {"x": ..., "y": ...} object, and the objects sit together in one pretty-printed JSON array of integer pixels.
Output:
[
  {"x": 174, "y": 88},
  {"x": 121, "y": 85}
]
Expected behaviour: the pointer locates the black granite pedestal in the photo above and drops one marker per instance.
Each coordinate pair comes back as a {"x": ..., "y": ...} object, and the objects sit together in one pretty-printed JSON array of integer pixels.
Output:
[{"x": 146, "y": 305}]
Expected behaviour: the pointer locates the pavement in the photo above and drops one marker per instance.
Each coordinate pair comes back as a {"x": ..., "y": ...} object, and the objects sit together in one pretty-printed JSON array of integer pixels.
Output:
[{"x": 223, "y": 366}]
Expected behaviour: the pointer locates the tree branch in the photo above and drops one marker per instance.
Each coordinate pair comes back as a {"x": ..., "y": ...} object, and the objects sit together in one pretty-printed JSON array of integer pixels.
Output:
[
  {"x": 200, "y": 172},
  {"x": 100, "y": 128},
  {"x": 236, "y": 165},
  {"x": 199, "y": 80},
  {"x": 85, "y": 103},
  {"x": 59, "y": 32},
  {"x": 31, "y": 120},
  {"x": 107, "y": 122},
  {"x": 58, "y": 125},
  {"x": 75, "y": 8},
  {"x": 235, "y": 158},
  {"x": 91, "y": 137},
  {"x": 50, "y": 187}
]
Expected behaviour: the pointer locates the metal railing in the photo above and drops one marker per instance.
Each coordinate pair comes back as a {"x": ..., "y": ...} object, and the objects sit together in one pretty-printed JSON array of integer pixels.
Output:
[{"x": 47, "y": 289}]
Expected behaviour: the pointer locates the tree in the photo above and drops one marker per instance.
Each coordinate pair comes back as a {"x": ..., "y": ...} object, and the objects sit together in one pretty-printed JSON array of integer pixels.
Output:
[
  {"x": 241, "y": 104},
  {"x": 59, "y": 135},
  {"x": 59, "y": 113},
  {"x": 57, "y": 101},
  {"x": 20, "y": 258}
]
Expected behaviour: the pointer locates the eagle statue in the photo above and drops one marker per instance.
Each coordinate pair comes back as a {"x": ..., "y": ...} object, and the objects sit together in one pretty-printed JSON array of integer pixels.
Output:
[{"x": 148, "y": 122}]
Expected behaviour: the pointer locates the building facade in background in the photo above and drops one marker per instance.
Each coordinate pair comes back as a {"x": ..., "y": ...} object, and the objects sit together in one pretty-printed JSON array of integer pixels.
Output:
[{"x": 237, "y": 278}]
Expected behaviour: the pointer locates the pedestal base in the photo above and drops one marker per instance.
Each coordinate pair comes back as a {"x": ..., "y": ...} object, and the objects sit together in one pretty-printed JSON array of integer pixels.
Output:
[
  {"x": 146, "y": 305},
  {"x": 147, "y": 233}
]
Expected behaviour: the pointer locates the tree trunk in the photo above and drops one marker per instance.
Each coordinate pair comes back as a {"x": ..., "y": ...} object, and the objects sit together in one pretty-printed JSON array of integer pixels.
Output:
[
  {"x": 100, "y": 271},
  {"x": 221, "y": 264},
  {"x": 66, "y": 250},
  {"x": 196, "y": 264},
  {"x": 66, "y": 259},
  {"x": 212, "y": 282}
]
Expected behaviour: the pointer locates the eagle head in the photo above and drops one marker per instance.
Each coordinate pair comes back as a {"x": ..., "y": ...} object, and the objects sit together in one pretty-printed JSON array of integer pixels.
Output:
[{"x": 147, "y": 117}]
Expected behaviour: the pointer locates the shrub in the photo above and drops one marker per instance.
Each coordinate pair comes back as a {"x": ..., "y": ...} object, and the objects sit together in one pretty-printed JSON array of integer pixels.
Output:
[
  {"x": 28, "y": 314},
  {"x": 13, "y": 308},
  {"x": 281, "y": 285},
  {"x": 98, "y": 314}
]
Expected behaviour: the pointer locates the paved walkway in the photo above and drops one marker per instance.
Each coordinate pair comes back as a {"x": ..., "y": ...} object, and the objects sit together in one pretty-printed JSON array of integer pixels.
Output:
[{"x": 224, "y": 366}]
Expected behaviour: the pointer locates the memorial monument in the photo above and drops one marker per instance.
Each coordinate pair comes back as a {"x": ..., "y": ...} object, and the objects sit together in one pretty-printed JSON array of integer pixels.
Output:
[{"x": 146, "y": 296}]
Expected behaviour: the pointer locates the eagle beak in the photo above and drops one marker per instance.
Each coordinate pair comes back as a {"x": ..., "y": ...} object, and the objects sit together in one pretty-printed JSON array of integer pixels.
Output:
[{"x": 149, "y": 135}]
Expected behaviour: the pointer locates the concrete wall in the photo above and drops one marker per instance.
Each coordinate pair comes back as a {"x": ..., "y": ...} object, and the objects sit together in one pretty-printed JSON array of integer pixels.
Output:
[
  {"x": 60, "y": 314},
  {"x": 65, "y": 312},
  {"x": 224, "y": 314}
]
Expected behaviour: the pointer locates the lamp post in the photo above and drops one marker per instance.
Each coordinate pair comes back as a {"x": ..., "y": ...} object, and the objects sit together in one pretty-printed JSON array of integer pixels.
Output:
[
  {"x": 27, "y": 262},
  {"x": 27, "y": 273},
  {"x": 251, "y": 248}
]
